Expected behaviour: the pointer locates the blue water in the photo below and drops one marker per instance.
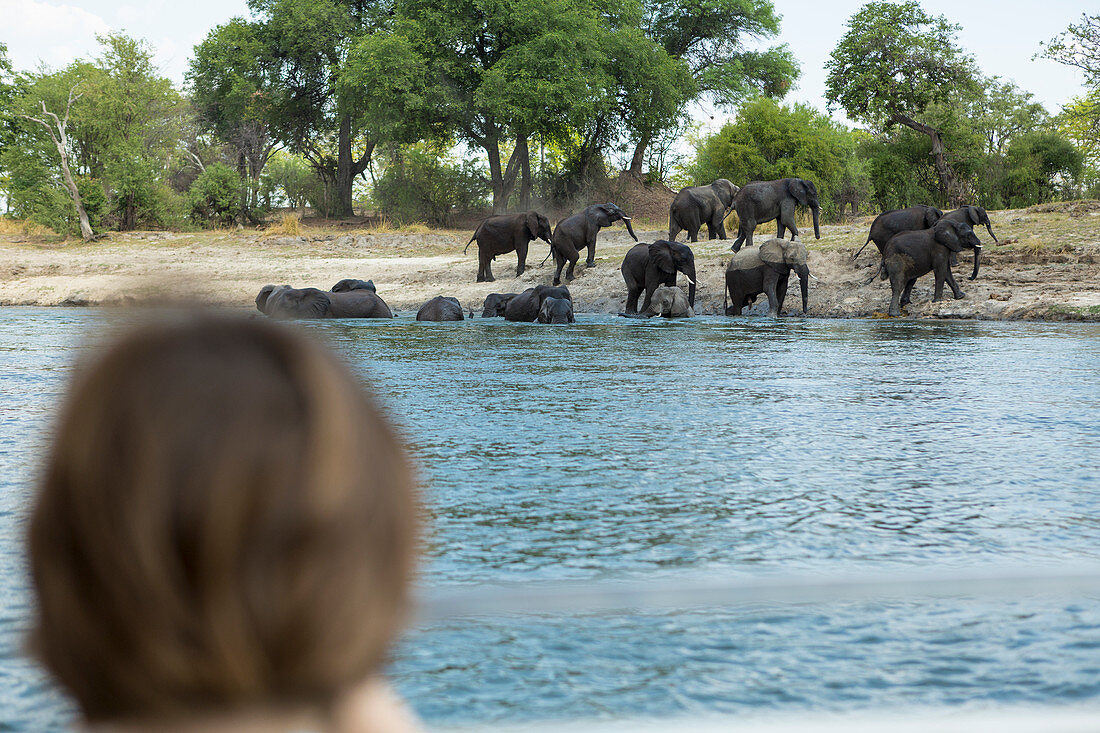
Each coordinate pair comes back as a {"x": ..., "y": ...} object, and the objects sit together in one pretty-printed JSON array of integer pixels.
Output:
[{"x": 646, "y": 450}]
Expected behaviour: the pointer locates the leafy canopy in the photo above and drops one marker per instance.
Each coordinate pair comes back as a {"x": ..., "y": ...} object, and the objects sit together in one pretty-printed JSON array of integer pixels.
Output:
[{"x": 895, "y": 61}]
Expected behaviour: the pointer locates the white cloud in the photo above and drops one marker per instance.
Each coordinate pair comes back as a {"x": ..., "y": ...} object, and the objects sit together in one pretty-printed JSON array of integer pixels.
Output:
[{"x": 38, "y": 31}]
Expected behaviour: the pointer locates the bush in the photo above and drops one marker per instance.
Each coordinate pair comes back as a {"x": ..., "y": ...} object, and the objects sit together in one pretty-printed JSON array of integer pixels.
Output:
[
  {"x": 215, "y": 196},
  {"x": 420, "y": 186}
]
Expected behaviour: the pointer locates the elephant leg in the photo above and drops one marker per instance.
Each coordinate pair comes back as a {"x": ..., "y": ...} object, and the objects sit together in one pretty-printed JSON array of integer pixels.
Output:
[
  {"x": 521, "y": 256},
  {"x": 786, "y": 218},
  {"x": 720, "y": 227},
  {"x": 741, "y": 236},
  {"x": 559, "y": 260},
  {"x": 591, "y": 261},
  {"x": 572, "y": 266},
  {"x": 780, "y": 294},
  {"x": 955, "y": 291},
  {"x": 711, "y": 233},
  {"x": 770, "y": 287},
  {"x": 780, "y": 230},
  {"x": 897, "y": 287},
  {"x": 908, "y": 291},
  {"x": 484, "y": 269},
  {"x": 632, "y": 294}
]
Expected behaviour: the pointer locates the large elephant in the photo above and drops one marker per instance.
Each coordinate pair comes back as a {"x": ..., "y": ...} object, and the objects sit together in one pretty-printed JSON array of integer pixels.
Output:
[
  {"x": 526, "y": 305},
  {"x": 667, "y": 302},
  {"x": 698, "y": 205},
  {"x": 889, "y": 223},
  {"x": 648, "y": 266},
  {"x": 556, "y": 310},
  {"x": 283, "y": 301},
  {"x": 909, "y": 255},
  {"x": 495, "y": 303},
  {"x": 441, "y": 308},
  {"x": 766, "y": 270},
  {"x": 499, "y": 235},
  {"x": 761, "y": 201},
  {"x": 580, "y": 230}
]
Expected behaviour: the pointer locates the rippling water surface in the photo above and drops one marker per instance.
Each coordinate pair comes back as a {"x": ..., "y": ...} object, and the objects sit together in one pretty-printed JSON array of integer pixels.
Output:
[{"x": 618, "y": 448}]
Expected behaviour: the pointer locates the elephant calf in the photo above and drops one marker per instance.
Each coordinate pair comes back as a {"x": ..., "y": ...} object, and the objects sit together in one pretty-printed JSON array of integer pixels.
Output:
[
  {"x": 440, "y": 308},
  {"x": 669, "y": 302},
  {"x": 909, "y": 255},
  {"x": 556, "y": 310},
  {"x": 766, "y": 270},
  {"x": 647, "y": 266}
]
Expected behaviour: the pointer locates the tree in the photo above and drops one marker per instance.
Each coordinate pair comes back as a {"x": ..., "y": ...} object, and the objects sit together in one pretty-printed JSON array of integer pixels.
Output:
[
  {"x": 228, "y": 86},
  {"x": 1079, "y": 46},
  {"x": 711, "y": 38},
  {"x": 894, "y": 62},
  {"x": 506, "y": 71},
  {"x": 57, "y": 129},
  {"x": 769, "y": 141},
  {"x": 336, "y": 81}
]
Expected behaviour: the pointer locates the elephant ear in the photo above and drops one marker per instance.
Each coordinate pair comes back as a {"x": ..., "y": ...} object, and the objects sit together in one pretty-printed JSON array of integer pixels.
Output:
[
  {"x": 746, "y": 259},
  {"x": 798, "y": 189},
  {"x": 660, "y": 255},
  {"x": 947, "y": 235},
  {"x": 772, "y": 252},
  {"x": 794, "y": 253},
  {"x": 532, "y": 224},
  {"x": 261, "y": 298},
  {"x": 931, "y": 216},
  {"x": 974, "y": 214}
]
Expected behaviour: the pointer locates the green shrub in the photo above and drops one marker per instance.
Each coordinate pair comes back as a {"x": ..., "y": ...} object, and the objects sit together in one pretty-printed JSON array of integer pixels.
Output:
[
  {"x": 420, "y": 186},
  {"x": 215, "y": 196}
]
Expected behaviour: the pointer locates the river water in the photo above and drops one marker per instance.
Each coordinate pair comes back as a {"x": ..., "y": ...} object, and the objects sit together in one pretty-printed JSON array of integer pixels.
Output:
[{"x": 615, "y": 449}]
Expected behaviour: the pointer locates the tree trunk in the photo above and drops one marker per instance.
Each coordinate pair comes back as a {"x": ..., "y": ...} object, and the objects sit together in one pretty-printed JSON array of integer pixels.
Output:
[
  {"x": 496, "y": 178},
  {"x": 955, "y": 194},
  {"x": 638, "y": 160},
  {"x": 525, "y": 176},
  {"x": 85, "y": 225},
  {"x": 342, "y": 206}
]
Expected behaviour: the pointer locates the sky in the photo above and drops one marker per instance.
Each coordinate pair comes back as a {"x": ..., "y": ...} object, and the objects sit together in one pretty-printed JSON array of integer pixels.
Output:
[{"x": 1003, "y": 36}]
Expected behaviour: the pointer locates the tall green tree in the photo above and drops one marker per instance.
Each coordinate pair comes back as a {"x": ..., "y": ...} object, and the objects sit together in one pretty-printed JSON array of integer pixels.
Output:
[
  {"x": 1079, "y": 47},
  {"x": 333, "y": 81},
  {"x": 894, "y": 62},
  {"x": 716, "y": 40},
  {"x": 504, "y": 71}
]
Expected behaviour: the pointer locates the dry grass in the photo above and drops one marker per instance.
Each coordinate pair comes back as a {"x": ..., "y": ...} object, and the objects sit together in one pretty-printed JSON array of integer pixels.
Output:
[
  {"x": 386, "y": 225},
  {"x": 290, "y": 224},
  {"x": 27, "y": 228}
]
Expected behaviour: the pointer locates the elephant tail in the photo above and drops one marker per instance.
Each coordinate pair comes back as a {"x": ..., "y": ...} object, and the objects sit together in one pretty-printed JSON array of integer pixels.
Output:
[
  {"x": 470, "y": 242},
  {"x": 862, "y": 248},
  {"x": 544, "y": 259}
]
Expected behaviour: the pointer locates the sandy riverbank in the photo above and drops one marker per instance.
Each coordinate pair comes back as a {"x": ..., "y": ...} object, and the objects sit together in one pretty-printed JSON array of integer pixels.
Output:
[{"x": 1050, "y": 269}]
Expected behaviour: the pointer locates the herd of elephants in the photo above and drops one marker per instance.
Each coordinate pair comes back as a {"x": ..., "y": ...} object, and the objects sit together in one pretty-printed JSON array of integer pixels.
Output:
[{"x": 912, "y": 242}]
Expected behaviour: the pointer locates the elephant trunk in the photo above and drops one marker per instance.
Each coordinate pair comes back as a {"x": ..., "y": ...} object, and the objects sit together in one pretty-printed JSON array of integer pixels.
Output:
[
  {"x": 626, "y": 220},
  {"x": 817, "y": 229},
  {"x": 804, "y": 281},
  {"x": 690, "y": 275},
  {"x": 977, "y": 262},
  {"x": 989, "y": 228}
]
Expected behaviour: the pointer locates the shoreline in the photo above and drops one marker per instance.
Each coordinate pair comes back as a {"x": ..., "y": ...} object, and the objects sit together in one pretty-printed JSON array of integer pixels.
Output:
[{"x": 1047, "y": 270}]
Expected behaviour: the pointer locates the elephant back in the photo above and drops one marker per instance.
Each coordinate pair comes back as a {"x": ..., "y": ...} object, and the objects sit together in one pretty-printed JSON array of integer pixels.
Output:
[{"x": 746, "y": 259}]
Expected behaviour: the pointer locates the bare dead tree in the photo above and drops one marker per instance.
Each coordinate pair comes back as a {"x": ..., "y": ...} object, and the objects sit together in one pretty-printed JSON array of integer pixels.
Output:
[{"x": 61, "y": 140}]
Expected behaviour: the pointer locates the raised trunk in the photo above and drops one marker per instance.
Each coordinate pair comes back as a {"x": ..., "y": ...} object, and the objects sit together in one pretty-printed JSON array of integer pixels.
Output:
[
  {"x": 948, "y": 179},
  {"x": 638, "y": 158}
]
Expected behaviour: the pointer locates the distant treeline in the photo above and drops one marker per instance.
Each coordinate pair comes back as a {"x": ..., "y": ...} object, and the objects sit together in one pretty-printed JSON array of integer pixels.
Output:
[{"x": 423, "y": 110}]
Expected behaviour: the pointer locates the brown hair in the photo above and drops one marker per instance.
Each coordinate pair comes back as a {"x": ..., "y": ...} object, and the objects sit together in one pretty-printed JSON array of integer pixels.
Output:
[{"x": 225, "y": 519}]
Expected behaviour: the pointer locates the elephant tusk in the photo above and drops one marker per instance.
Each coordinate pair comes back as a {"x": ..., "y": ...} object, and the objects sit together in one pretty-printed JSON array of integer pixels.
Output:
[
  {"x": 691, "y": 281},
  {"x": 815, "y": 277}
]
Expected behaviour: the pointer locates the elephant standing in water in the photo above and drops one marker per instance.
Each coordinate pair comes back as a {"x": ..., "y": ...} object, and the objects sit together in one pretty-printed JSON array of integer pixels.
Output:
[
  {"x": 909, "y": 255},
  {"x": 495, "y": 303},
  {"x": 698, "y": 205},
  {"x": 889, "y": 223},
  {"x": 667, "y": 302},
  {"x": 766, "y": 270},
  {"x": 761, "y": 201},
  {"x": 556, "y": 310},
  {"x": 647, "y": 266},
  {"x": 526, "y": 305},
  {"x": 349, "y": 284},
  {"x": 441, "y": 308},
  {"x": 283, "y": 301},
  {"x": 580, "y": 230},
  {"x": 498, "y": 235}
]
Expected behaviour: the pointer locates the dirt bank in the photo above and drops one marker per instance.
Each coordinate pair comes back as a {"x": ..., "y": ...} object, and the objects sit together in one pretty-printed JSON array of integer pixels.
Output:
[{"x": 1050, "y": 269}]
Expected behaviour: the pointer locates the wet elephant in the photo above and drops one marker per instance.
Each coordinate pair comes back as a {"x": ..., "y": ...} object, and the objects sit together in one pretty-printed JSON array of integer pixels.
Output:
[
  {"x": 648, "y": 266},
  {"x": 441, "y": 308},
  {"x": 556, "y": 310},
  {"x": 283, "y": 301},
  {"x": 495, "y": 303},
  {"x": 526, "y": 305},
  {"x": 766, "y": 270}
]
